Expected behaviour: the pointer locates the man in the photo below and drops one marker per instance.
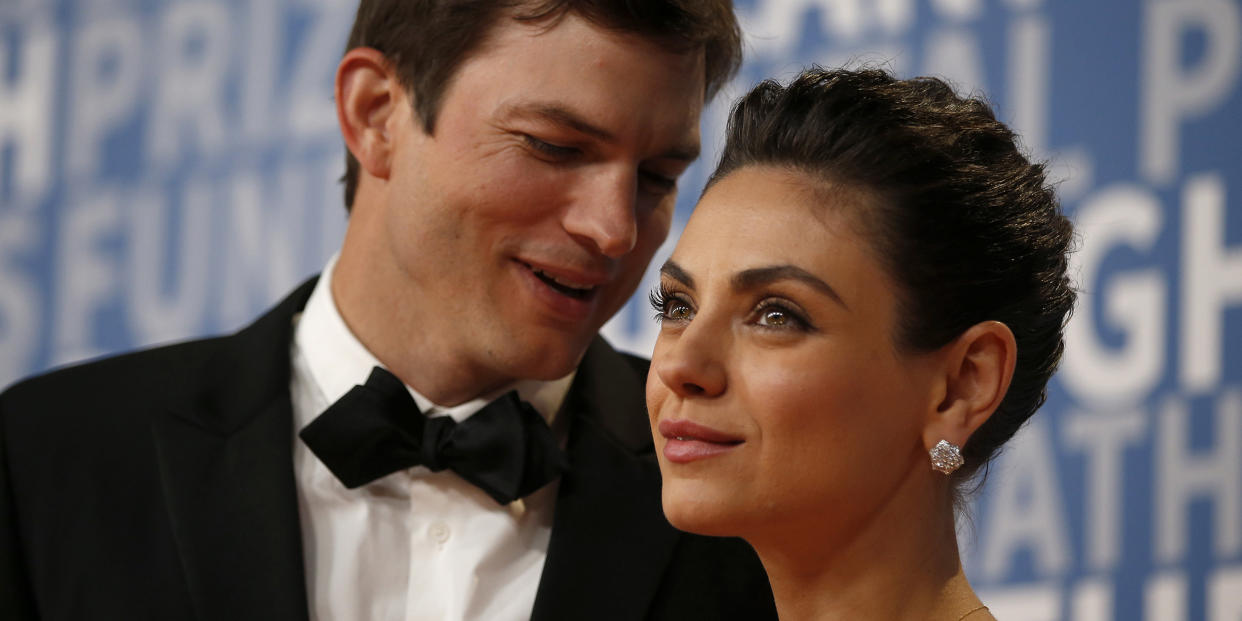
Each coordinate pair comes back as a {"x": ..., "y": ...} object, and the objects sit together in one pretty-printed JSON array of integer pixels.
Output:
[{"x": 512, "y": 170}]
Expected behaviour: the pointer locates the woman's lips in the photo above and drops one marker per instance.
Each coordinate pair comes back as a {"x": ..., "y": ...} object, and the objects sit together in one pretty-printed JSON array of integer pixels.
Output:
[{"x": 686, "y": 441}]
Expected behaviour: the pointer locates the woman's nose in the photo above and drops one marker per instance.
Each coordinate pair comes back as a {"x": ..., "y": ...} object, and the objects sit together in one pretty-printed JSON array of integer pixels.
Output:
[{"x": 691, "y": 364}]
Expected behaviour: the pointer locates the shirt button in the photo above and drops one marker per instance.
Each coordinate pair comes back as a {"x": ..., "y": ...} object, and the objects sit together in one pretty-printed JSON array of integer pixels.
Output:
[{"x": 440, "y": 532}]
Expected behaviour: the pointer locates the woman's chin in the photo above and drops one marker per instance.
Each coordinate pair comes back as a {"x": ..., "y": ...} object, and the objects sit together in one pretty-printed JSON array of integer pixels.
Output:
[{"x": 701, "y": 516}]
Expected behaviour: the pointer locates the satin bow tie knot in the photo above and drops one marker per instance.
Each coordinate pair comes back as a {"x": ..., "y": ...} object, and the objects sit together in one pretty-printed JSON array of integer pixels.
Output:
[
  {"x": 437, "y": 433},
  {"x": 506, "y": 449}
]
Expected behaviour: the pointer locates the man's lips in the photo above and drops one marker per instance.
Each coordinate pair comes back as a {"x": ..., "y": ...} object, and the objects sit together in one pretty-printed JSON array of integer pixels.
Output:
[
  {"x": 571, "y": 283},
  {"x": 686, "y": 441}
]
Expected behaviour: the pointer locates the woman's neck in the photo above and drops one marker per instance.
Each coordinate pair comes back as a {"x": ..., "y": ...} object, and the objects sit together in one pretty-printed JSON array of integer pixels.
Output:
[{"x": 902, "y": 563}]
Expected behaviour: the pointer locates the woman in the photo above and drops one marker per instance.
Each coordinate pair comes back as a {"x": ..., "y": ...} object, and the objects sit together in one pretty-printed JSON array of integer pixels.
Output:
[{"x": 874, "y": 277}]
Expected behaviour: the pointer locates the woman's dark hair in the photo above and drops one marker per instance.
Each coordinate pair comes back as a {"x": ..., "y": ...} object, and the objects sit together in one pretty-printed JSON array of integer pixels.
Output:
[
  {"x": 963, "y": 222},
  {"x": 427, "y": 40}
]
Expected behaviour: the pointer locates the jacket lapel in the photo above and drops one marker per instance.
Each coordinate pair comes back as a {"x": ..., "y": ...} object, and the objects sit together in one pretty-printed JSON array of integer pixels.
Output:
[
  {"x": 226, "y": 460},
  {"x": 610, "y": 541},
  {"x": 227, "y": 474}
]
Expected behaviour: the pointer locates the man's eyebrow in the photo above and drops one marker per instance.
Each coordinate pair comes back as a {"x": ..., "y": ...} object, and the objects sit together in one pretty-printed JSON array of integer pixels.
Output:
[
  {"x": 561, "y": 115},
  {"x": 675, "y": 271},
  {"x": 757, "y": 277}
]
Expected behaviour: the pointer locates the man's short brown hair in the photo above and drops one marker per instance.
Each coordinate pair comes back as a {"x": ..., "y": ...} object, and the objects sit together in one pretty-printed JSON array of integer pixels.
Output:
[{"x": 427, "y": 40}]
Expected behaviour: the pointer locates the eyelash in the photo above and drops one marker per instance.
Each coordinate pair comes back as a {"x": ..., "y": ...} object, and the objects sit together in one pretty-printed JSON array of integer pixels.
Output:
[
  {"x": 655, "y": 182},
  {"x": 797, "y": 320},
  {"x": 662, "y": 184},
  {"x": 549, "y": 149},
  {"x": 661, "y": 299}
]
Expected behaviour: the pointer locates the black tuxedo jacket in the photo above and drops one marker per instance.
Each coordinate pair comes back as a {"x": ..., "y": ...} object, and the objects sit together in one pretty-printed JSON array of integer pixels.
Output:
[{"x": 160, "y": 485}]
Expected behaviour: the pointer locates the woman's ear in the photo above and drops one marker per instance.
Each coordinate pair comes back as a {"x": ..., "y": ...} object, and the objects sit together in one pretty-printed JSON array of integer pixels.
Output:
[
  {"x": 978, "y": 367},
  {"x": 367, "y": 96}
]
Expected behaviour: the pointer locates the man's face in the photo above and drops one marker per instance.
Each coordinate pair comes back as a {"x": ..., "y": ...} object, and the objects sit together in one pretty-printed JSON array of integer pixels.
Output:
[{"x": 529, "y": 216}]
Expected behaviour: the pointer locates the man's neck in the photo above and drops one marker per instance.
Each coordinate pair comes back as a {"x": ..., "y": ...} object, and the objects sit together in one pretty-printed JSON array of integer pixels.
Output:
[{"x": 387, "y": 322}]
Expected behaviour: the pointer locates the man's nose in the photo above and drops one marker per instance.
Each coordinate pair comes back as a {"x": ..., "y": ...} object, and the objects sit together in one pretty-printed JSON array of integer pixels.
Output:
[{"x": 604, "y": 215}]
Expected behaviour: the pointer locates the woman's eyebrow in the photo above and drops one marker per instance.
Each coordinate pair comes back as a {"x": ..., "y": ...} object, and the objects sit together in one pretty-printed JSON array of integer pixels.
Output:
[
  {"x": 676, "y": 272},
  {"x": 757, "y": 277}
]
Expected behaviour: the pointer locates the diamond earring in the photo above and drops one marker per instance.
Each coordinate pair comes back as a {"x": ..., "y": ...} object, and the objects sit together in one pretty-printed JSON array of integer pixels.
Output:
[{"x": 946, "y": 457}]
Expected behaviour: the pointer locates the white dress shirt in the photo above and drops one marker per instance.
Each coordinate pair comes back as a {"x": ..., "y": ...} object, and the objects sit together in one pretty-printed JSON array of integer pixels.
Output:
[{"x": 414, "y": 545}]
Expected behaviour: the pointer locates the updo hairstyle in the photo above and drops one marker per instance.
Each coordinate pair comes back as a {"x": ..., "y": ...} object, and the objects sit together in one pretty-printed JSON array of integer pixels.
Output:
[{"x": 962, "y": 221}]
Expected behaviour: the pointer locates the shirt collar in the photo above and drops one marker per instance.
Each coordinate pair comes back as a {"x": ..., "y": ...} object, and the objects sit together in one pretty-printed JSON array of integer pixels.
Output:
[{"x": 338, "y": 361}]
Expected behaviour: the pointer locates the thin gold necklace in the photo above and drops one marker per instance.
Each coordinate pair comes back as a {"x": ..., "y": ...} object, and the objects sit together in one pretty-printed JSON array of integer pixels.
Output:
[{"x": 971, "y": 612}]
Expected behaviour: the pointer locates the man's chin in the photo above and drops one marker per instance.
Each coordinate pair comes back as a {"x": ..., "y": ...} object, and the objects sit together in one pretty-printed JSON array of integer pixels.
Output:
[
  {"x": 547, "y": 357},
  {"x": 552, "y": 365}
]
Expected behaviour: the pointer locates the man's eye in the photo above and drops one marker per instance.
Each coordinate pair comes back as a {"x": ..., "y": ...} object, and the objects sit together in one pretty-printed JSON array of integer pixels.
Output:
[
  {"x": 656, "y": 183},
  {"x": 551, "y": 150}
]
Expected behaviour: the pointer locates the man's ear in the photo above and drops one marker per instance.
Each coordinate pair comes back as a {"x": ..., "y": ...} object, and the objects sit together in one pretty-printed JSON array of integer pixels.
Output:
[
  {"x": 978, "y": 367},
  {"x": 368, "y": 94}
]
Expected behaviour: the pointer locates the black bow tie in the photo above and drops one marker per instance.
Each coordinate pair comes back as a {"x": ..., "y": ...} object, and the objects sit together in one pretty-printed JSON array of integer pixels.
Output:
[{"x": 506, "y": 449}]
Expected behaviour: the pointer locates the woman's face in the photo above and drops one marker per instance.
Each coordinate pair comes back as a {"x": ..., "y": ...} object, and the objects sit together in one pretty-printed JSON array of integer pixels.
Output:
[{"x": 777, "y": 396}]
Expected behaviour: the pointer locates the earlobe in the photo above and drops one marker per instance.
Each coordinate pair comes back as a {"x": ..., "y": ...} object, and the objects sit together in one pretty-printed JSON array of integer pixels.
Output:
[
  {"x": 979, "y": 365},
  {"x": 367, "y": 91}
]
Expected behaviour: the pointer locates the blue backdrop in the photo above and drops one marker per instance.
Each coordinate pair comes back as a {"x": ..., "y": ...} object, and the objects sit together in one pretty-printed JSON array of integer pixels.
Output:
[{"x": 168, "y": 169}]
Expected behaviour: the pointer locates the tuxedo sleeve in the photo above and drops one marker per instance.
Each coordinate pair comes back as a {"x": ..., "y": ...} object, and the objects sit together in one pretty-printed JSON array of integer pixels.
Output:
[{"x": 16, "y": 603}]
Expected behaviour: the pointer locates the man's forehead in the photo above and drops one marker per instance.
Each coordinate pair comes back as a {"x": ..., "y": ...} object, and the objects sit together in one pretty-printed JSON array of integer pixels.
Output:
[{"x": 517, "y": 21}]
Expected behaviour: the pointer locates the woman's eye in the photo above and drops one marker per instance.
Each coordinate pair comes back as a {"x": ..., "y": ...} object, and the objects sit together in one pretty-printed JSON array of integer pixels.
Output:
[
  {"x": 677, "y": 311},
  {"x": 780, "y": 317},
  {"x": 669, "y": 306},
  {"x": 774, "y": 317}
]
